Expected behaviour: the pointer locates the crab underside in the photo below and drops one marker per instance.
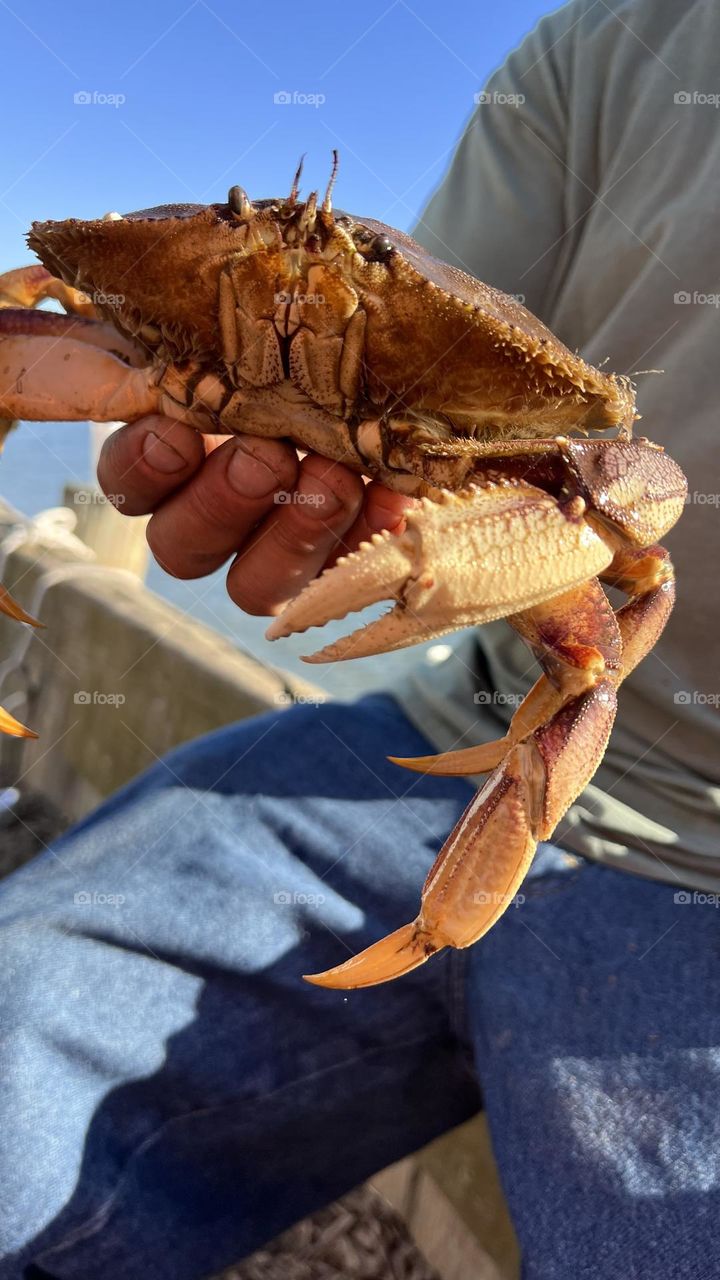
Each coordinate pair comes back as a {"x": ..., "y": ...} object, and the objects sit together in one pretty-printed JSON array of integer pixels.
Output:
[{"x": 286, "y": 318}]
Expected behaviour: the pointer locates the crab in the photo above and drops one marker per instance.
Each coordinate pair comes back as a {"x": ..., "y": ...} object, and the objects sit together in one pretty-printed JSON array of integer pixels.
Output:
[{"x": 289, "y": 318}]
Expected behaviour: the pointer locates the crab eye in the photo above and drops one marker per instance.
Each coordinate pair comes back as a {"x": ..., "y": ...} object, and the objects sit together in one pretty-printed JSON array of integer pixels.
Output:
[
  {"x": 381, "y": 247},
  {"x": 239, "y": 203}
]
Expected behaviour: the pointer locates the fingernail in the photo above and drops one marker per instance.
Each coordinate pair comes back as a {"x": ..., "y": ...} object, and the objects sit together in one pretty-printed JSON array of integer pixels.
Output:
[
  {"x": 250, "y": 476},
  {"x": 162, "y": 456},
  {"x": 317, "y": 496}
]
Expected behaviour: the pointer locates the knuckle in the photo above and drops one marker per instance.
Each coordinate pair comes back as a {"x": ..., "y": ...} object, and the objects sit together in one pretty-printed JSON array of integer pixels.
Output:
[
  {"x": 296, "y": 533},
  {"x": 217, "y": 513},
  {"x": 303, "y": 531},
  {"x": 208, "y": 506}
]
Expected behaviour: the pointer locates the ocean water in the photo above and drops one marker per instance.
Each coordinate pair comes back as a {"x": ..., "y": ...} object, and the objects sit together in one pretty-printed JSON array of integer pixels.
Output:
[{"x": 40, "y": 458}]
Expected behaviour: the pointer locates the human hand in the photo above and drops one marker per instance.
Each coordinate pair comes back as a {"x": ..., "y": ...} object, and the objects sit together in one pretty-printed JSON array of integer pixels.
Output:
[{"x": 282, "y": 518}]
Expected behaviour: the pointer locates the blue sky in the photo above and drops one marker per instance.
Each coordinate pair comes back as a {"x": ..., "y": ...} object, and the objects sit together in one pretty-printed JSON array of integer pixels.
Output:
[{"x": 184, "y": 100}]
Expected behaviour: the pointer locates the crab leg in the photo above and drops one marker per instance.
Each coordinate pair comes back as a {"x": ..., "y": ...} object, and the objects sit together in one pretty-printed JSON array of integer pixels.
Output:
[
  {"x": 482, "y": 864},
  {"x": 539, "y": 769},
  {"x": 13, "y": 727},
  {"x": 537, "y": 707},
  {"x": 11, "y": 608},
  {"x": 574, "y": 637},
  {"x": 646, "y": 575}
]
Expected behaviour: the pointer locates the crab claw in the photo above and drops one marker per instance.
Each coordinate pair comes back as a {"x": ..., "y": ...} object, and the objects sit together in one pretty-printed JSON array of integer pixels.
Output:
[
  {"x": 464, "y": 559},
  {"x": 27, "y": 286},
  {"x": 62, "y": 367}
]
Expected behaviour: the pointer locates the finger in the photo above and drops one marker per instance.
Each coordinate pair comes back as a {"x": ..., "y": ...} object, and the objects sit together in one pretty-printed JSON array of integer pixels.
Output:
[
  {"x": 195, "y": 530},
  {"x": 291, "y": 546},
  {"x": 141, "y": 464},
  {"x": 381, "y": 509}
]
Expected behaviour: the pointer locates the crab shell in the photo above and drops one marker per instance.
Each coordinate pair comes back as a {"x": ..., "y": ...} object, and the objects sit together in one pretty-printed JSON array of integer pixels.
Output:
[{"x": 353, "y": 316}]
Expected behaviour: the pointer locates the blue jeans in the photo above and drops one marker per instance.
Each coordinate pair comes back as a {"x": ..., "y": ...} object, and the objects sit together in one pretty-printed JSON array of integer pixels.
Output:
[{"x": 173, "y": 1094}]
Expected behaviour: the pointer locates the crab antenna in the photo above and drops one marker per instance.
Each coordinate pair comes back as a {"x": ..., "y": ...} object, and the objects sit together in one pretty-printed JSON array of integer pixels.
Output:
[
  {"x": 327, "y": 202},
  {"x": 296, "y": 182}
]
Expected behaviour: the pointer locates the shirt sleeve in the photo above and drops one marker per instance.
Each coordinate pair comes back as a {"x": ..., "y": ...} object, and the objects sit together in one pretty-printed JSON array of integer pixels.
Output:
[{"x": 500, "y": 211}]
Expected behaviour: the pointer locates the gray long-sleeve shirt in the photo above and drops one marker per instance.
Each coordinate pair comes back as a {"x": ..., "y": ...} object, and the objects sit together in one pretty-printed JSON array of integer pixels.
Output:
[{"x": 588, "y": 182}]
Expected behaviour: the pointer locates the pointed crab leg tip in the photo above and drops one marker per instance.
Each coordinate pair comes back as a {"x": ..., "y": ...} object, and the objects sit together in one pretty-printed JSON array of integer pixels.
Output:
[
  {"x": 13, "y": 727},
  {"x": 12, "y": 609},
  {"x": 420, "y": 764},
  {"x": 391, "y": 957},
  {"x": 464, "y": 763}
]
